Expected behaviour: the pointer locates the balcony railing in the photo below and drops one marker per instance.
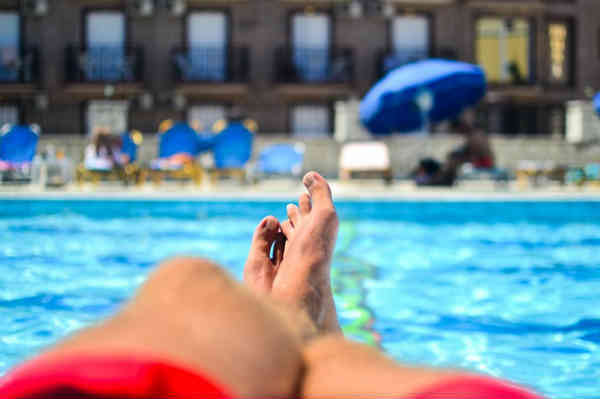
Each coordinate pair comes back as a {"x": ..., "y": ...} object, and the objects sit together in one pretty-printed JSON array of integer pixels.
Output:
[
  {"x": 115, "y": 64},
  {"x": 392, "y": 59},
  {"x": 218, "y": 64},
  {"x": 314, "y": 65},
  {"x": 19, "y": 66}
]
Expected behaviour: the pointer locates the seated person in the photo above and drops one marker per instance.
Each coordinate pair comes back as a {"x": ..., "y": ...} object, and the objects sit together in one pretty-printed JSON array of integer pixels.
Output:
[
  {"x": 104, "y": 152},
  {"x": 476, "y": 151},
  {"x": 193, "y": 332}
]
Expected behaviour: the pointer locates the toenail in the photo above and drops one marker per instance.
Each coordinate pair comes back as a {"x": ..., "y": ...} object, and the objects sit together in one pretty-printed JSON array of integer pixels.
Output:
[
  {"x": 270, "y": 225},
  {"x": 309, "y": 179}
]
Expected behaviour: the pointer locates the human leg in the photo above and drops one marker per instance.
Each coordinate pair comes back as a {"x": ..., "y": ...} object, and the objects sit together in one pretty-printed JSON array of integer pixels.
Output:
[
  {"x": 192, "y": 314},
  {"x": 336, "y": 367}
]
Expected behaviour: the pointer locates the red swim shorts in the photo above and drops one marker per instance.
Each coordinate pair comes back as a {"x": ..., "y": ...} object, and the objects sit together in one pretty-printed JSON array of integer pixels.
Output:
[
  {"x": 89, "y": 377},
  {"x": 99, "y": 377},
  {"x": 475, "y": 387}
]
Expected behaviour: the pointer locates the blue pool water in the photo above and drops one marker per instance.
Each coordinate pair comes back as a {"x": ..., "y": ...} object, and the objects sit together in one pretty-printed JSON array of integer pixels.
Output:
[{"x": 508, "y": 289}]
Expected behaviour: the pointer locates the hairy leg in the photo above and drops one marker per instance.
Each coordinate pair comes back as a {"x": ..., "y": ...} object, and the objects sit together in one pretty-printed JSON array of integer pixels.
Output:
[
  {"x": 191, "y": 313},
  {"x": 336, "y": 367},
  {"x": 339, "y": 368}
]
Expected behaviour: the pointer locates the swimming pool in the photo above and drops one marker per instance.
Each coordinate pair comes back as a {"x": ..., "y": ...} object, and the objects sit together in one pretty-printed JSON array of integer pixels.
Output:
[{"x": 509, "y": 289}]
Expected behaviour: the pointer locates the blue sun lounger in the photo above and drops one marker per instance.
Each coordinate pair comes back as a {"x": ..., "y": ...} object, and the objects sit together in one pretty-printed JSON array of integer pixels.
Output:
[
  {"x": 232, "y": 149},
  {"x": 18, "y": 145},
  {"x": 281, "y": 160},
  {"x": 182, "y": 140}
]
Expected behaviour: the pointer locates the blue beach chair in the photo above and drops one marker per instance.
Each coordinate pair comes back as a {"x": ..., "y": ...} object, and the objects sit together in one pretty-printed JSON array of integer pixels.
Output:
[
  {"x": 130, "y": 144},
  {"x": 178, "y": 148},
  {"x": 591, "y": 173},
  {"x": 581, "y": 175},
  {"x": 18, "y": 145},
  {"x": 281, "y": 160},
  {"x": 232, "y": 149}
]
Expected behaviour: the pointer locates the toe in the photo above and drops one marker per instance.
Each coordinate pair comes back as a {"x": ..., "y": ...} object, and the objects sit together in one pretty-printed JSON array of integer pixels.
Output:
[
  {"x": 287, "y": 229},
  {"x": 259, "y": 269},
  {"x": 293, "y": 214},
  {"x": 319, "y": 190},
  {"x": 264, "y": 235},
  {"x": 304, "y": 204}
]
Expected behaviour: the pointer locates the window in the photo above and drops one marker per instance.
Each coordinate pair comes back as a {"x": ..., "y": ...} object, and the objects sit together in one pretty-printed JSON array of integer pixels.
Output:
[
  {"x": 311, "y": 121},
  {"x": 105, "y": 41},
  {"x": 10, "y": 42},
  {"x": 410, "y": 37},
  {"x": 504, "y": 49},
  {"x": 9, "y": 114},
  {"x": 311, "y": 46},
  {"x": 519, "y": 119},
  {"x": 207, "y": 42},
  {"x": 108, "y": 114},
  {"x": 557, "y": 121},
  {"x": 560, "y": 52},
  {"x": 203, "y": 117}
]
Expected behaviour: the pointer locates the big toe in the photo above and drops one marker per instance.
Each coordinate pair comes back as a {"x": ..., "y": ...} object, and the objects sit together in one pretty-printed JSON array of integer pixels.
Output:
[
  {"x": 259, "y": 270},
  {"x": 319, "y": 189}
]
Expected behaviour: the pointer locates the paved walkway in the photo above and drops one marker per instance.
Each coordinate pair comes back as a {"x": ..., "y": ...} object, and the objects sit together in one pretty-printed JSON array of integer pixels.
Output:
[{"x": 287, "y": 189}]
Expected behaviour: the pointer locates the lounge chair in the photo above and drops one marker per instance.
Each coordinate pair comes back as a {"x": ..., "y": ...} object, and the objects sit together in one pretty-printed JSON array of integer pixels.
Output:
[
  {"x": 588, "y": 174},
  {"x": 177, "y": 151},
  {"x": 281, "y": 160},
  {"x": 366, "y": 159},
  {"x": 469, "y": 173},
  {"x": 18, "y": 144},
  {"x": 129, "y": 172},
  {"x": 536, "y": 172},
  {"x": 232, "y": 149},
  {"x": 131, "y": 143}
]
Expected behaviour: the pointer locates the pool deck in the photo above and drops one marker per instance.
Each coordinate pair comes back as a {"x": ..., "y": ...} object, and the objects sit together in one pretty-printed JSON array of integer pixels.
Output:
[{"x": 285, "y": 189}]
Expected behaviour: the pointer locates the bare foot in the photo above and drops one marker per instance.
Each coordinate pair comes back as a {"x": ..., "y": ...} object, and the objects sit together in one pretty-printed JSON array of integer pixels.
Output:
[{"x": 301, "y": 279}]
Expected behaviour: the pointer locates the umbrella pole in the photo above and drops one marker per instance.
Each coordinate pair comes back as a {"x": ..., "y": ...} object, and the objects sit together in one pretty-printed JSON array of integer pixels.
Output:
[{"x": 425, "y": 103}]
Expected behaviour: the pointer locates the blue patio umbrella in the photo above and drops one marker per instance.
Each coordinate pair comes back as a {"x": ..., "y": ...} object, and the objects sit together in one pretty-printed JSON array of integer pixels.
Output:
[
  {"x": 597, "y": 103},
  {"x": 432, "y": 90}
]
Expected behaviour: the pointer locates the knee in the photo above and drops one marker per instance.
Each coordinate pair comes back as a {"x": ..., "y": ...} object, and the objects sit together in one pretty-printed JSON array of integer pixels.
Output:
[
  {"x": 184, "y": 279},
  {"x": 185, "y": 268}
]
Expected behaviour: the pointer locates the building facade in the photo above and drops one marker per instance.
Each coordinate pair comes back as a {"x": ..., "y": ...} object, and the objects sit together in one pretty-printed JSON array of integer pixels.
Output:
[{"x": 69, "y": 65}]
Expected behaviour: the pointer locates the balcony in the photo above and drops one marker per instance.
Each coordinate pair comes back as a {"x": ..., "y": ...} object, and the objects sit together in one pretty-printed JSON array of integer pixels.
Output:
[
  {"x": 218, "y": 72},
  {"x": 90, "y": 70},
  {"x": 211, "y": 64},
  {"x": 19, "y": 70},
  {"x": 305, "y": 71},
  {"x": 392, "y": 59},
  {"x": 303, "y": 65}
]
